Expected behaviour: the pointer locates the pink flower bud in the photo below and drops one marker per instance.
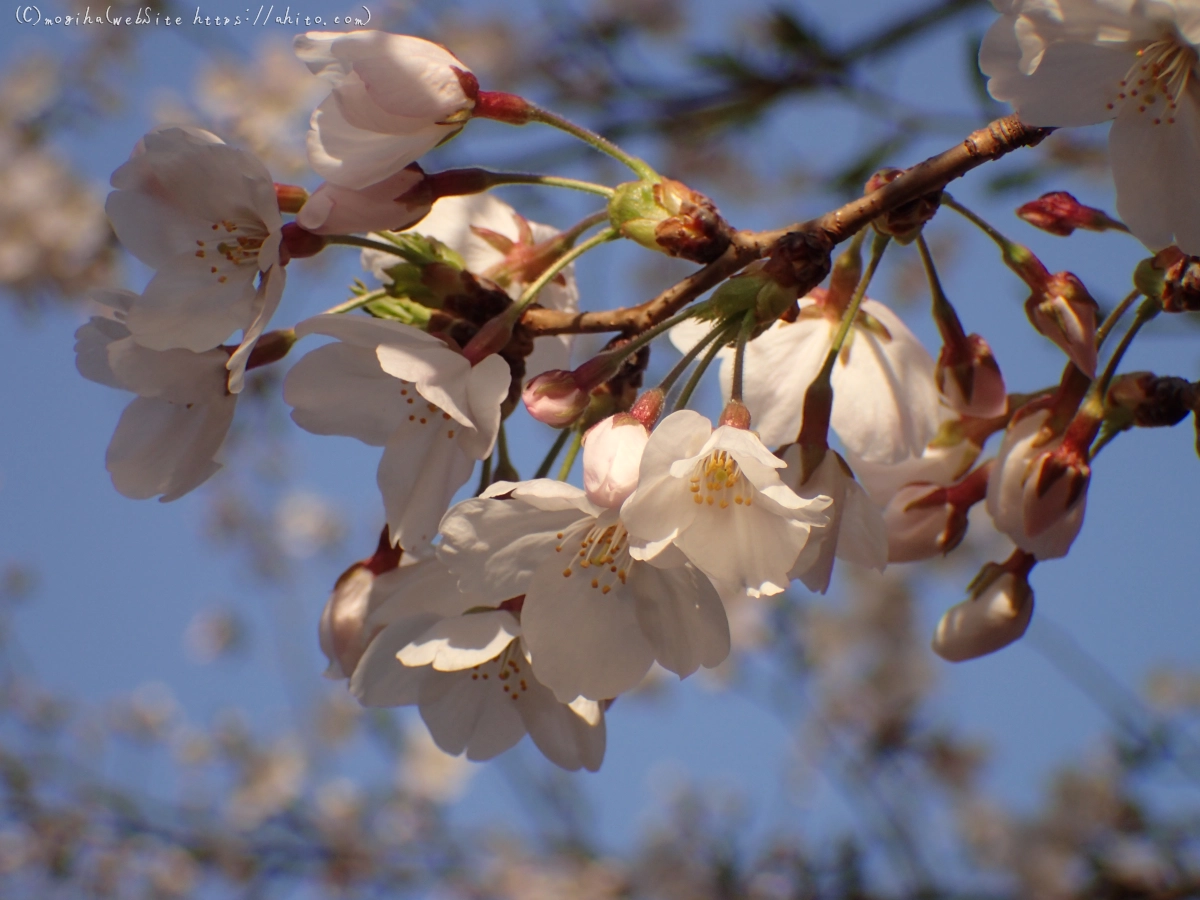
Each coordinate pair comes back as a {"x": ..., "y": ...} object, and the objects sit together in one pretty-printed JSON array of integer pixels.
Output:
[
  {"x": 389, "y": 205},
  {"x": 968, "y": 376},
  {"x": 342, "y": 631},
  {"x": 993, "y": 619},
  {"x": 612, "y": 457},
  {"x": 555, "y": 397},
  {"x": 1036, "y": 498},
  {"x": 1065, "y": 312},
  {"x": 1060, "y": 213}
]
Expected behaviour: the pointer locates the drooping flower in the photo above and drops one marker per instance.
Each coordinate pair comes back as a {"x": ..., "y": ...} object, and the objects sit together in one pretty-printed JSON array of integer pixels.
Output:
[
  {"x": 388, "y": 205},
  {"x": 714, "y": 494},
  {"x": 886, "y": 405},
  {"x": 204, "y": 215},
  {"x": 498, "y": 243},
  {"x": 1079, "y": 63},
  {"x": 467, "y": 669},
  {"x": 927, "y": 520},
  {"x": 394, "y": 386},
  {"x": 167, "y": 439},
  {"x": 854, "y": 531},
  {"x": 394, "y": 98},
  {"x": 594, "y": 618},
  {"x": 1041, "y": 515}
]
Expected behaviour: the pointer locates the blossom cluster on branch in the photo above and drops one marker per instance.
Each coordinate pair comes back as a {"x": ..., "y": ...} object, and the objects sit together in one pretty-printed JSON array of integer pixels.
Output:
[{"x": 531, "y": 607}]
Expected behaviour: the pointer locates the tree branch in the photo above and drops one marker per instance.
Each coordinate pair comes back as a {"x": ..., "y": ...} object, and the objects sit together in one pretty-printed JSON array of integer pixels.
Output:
[{"x": 990, "y": 143}]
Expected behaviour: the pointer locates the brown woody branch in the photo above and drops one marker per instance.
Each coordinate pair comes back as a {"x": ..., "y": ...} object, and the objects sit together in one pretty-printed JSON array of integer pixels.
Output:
[{"x": 999, "y": 138}]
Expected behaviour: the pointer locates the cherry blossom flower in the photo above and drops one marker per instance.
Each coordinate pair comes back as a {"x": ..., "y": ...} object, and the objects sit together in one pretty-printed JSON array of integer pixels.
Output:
[
  {"x": 168, "y": 438},
  {"x": 498, "y": 243},
  {"x": 992, "y": 619},
  {"x": 946, "y": 459},
  {"x": 1040, "y": 518},
  {"x": 204, "y": 215},
  {"x": 854, "y": 531},
  {"x": 594, "y": 618},
  {"x": 1077, "y": 63},
  {"x": 334, "y": 209},
  {"x": 714, "y": 495},
  {"x": 469, "y": 674},
  {"x": 612, "y": 458},
  {"x": 886, "y": 405},
  {"x": 394, "y": 98},
  {"x": 393, "y": 386}
]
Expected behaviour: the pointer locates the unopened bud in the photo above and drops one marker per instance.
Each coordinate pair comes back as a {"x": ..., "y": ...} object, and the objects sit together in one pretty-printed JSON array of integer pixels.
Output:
[
  {"x": 297, "y": 243},
  {"x": 1149, "y": 401},
  {"x": 969, "y": 378},
  {"x": 342, "y": 632},
  {"x": 555, "y": 397},
  {"x": 612, "y": 458},
  {"x": 671, "y": 218},
  {"x": 904, "y": 223},
  {"x": 290, "y": 197},
  {"x": 991, "y": 620},
  {"x": 1065, "y": 312},
  {"x": 1060, "y": 213},
  {"x": 393, "y": 204}
]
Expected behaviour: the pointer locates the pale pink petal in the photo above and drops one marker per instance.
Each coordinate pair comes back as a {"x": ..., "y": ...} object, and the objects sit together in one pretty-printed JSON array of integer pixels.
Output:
[
  {"x": 462, "y": 641},
  {"x": 494, "y": 546},
  {"x": 340, "y": 389},
  {"x": 418, "y": 476},
  {"x": 472, "y": 716},
  {"x": 1159, "y": 204},
  {"x": 164, "y": 448},
  {"x": 681, "y": 616},
  {"x": 266, "y": 301},
  {"x": 380, "y": 679},
  {"x": 569, "y": 735},
  {"x": 582, "y": 642}
]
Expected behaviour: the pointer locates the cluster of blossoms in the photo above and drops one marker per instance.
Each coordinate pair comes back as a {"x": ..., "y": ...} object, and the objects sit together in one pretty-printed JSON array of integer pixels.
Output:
[{"x": 532, "y": 606}]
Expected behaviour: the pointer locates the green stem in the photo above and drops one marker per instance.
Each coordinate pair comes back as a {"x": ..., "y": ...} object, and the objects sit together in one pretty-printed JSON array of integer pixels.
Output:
[
  {"x": 1114, "y": 317},
  {"x": 485, "y": 476},
  {"x": 686, "y": 394},
  {"x": 530, "y": 293},
  {"x": 943, "y": 311},
  {"x": 505, "y": 470},
  {"x": 1147, "y": 311},
  {"x": 499, "y": 178},
  {"x": 556, "y": 448},
  {"x": 572, "y": 451},
  {"x": 878, "y": 245},
  {"x": 355, "y": 302},
  {"x": 739, "y": 355},
  {"x": 643, "y": 171},
  {"x": 1016, "y": 256},
  {"x": 679, "y": 367}
]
